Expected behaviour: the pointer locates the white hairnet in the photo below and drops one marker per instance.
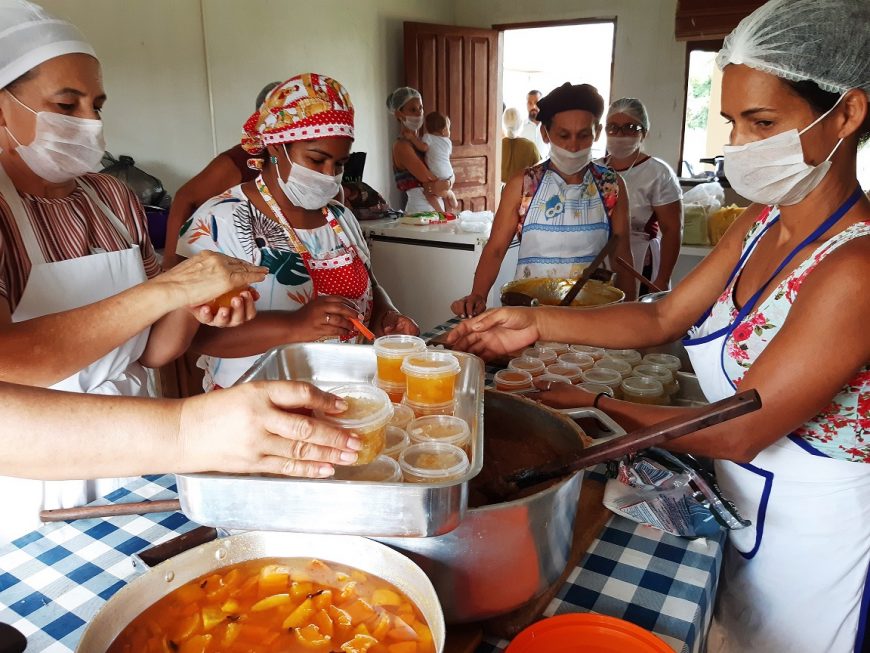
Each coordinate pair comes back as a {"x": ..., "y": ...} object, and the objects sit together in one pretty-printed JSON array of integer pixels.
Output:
[
  {"x": 631, "y": 107},
  {"x": 512, "y": 122},
  {"x": 824, "y": 41},
  {"x": 398, "y": 98},
  {"x": 29, "y": 35}
]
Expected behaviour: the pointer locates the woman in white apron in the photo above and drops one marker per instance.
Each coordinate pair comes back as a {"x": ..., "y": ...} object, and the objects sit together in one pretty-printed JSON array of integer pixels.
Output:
[
  {"x": 563, "y": 209},
  {"x": 783, "y": 311},
  {"x": 74, "y": 251},
  {"x": 655, "y": 205},
  {"x": 410, "y": 172},
  {"x": 319, "y": 278}
]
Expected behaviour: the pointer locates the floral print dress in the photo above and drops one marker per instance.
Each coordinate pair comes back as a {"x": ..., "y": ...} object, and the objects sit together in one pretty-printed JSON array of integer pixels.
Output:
[
  {"x": 842, "y": 430},
  {"x": 228, "y": 223}
]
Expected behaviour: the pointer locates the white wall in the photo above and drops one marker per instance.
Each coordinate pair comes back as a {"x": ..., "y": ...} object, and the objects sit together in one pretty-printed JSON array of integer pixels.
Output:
[{"x": 648, "y": 63}]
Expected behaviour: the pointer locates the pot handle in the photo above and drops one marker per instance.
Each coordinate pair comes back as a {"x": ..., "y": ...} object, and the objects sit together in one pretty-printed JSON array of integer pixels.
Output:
[
  {"x": 171, "y": 548},
  {"x": 598, "y": 415}
]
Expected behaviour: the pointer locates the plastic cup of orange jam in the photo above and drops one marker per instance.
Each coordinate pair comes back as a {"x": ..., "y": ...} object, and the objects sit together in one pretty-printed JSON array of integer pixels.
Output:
[
  {"x": 431, "y": 377},
  {"x": 597, "y": 353},
  {"x": 604, "y": 376},
  {"x": 541, "y": 353},
  {"x": 558, "y": 347},
  {"x": 402, "y": 416},
  {"x": 512, "y": 380},
  {"x": 583, "y": 361},
  {"x": 617, "y": 364},
  {"x": 391, "y": 352},
  {"x": 433, "y": 462},
  {"x": 422, "y": 410},
  {"x": 368, "y": 413},
  {"x": 571, "y": 372},
  {"x": 534, "y": 366},
  {"x": 630, "y": 356},
  {"x": 397, "y": 442},
  {"x": 395, "y": 391},
  {"x": 441, "y": 428},
  {"x": 382, "y": 469}
]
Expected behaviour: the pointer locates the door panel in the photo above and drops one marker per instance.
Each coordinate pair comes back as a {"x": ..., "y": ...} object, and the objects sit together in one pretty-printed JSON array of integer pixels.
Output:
[{"x": 458, "y": 71}]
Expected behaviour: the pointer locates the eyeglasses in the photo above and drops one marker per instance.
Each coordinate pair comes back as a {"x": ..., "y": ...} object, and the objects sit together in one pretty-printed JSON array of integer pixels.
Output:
[{"x": 628, "y": 129}]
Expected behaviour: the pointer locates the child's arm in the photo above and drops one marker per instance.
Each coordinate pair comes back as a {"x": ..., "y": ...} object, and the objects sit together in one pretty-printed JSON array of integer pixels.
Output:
[{"x": 415, "y": 140}]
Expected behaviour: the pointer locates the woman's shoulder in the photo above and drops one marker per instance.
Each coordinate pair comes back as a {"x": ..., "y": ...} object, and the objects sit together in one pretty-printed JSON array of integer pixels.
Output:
[
  {"x": 110, "y": 189},
  {"x": 224, "y": 203}
]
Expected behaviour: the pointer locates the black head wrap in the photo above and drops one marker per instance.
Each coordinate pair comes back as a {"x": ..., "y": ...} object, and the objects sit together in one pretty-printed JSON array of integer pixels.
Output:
[{"x": 570, "y": 97}]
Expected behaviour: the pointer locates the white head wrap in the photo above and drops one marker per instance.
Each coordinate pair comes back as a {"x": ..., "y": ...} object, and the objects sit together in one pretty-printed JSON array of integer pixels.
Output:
[
  {"x": 824, "y": 41},
  {"x": 29, "y": 36},
  {"x": 512, "y": 122}
]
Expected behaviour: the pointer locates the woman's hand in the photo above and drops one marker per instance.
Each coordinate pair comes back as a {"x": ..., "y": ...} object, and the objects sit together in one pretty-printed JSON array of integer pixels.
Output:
[
  {"x": 206, "y": 276},
  {"x": 394, "y": 322},
  {"x": 558, "y": 394},
  {"x": 240, "y": 310},
  {"x": 497, "y": 332},
  {"x": 264, "y": 427},
  {"x": 469, "y": 306},
  {"x": 325, "y": 317}
]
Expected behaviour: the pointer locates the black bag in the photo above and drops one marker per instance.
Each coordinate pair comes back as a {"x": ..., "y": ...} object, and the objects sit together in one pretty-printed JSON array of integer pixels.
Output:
[{"x": 148, "y": 189}]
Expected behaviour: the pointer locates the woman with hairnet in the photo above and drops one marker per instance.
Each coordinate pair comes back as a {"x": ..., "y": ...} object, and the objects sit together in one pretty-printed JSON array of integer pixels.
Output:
[
  {"x": 655, "y": 206},
  {"x": 517, "y": 153},
  {"x": 776, "y": 307},
  {"x": 409, "y": 168}
]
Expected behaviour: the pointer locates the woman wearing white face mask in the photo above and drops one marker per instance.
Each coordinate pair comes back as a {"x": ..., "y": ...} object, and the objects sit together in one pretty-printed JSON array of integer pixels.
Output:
[
  {"x": 409, "y": 167},
  {"x": 83, "y": 306},
  {"x": 655, "y": 205},
  {"x": 564, "y": 209},
  {"x": 286, "y": 220},
  {"x": 783, "y": 309}
]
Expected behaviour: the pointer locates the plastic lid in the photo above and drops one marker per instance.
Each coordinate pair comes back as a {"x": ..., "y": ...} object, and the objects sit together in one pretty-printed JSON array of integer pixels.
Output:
[
  {"x": 398, "y": 346},
  {"x": 402, "y": 416},
  {"x": 389, "y": 386},
  {"x": 657, "y": 372},
  {"x": 368, "y": 406},
  {"x": 430, "y": 363},
  {"x": 440, "y": 428},
  {"x": 642, "y": 386},
  {"x": 554, "y": 378},
  {"x": 671, "y": 362},
  {"x": 433, "y": 461},
  {"x": 382, "y": 469},
  {"x": 527, "y": 363},
  {"x": 595, "y": 388},
  {"x": 513, "y": 378},
  {"x": 572, "y": 372},
  {"x": 397, "y": 440},
  {"x": 542, "y": 353},
  {"x": 602, "y": 376},
  {"x": 621, "y": 366},
  {"x": 583, "y": 361},
  {"x": 586, "y": 633},
  {"x": 595, "y": 352},
  {"x": 630, "y": 355},
  {"x": 558, "y": 347},
  {"x": 446, "y": 408}
]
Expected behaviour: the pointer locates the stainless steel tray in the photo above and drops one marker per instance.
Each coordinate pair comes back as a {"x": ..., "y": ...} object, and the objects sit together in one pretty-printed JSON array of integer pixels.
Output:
[{"x": 331, "y": 506}]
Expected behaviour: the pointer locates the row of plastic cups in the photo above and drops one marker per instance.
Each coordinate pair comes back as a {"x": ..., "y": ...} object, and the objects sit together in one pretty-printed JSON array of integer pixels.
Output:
[{"x": 425, "y": 462}]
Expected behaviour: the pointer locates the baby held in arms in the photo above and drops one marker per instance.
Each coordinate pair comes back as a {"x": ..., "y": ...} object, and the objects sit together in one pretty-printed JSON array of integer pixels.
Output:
[{"x": 439, "y": 147}]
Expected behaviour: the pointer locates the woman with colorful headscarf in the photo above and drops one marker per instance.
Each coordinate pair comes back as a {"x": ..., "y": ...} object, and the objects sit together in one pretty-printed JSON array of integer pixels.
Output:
[
  {"x": 776, "y": 307},
  {"x": 286, "y": 220}
]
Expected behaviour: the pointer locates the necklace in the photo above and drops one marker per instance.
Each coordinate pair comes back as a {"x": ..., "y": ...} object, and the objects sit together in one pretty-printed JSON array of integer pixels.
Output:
[{"x": 636, "y": 157}]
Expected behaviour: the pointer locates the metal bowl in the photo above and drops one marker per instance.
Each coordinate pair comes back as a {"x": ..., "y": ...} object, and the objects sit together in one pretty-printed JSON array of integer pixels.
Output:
[
  {"x": 549, "y": 291},
  {"x": 360, "y": 553}
]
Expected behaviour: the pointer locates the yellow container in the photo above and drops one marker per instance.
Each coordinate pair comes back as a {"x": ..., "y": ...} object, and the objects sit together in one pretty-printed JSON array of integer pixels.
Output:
[
  {"x": 402, "y": 416},
  {"x": 431, "y": 377},
  {"x": 391, "y": 352},
  {"x": 368, "y": 413}
]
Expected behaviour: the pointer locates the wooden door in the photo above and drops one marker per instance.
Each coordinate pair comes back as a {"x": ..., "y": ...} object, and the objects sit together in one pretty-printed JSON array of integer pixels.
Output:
[{"x": 458, "y": 71}]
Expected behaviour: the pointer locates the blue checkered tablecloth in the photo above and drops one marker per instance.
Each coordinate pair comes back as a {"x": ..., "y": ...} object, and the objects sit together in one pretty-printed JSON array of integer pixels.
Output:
[{"x": 53, "y": 580}]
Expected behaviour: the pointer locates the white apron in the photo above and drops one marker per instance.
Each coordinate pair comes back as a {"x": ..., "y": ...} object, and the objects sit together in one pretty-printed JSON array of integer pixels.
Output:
[
  {"x": 417, "y": 202},
  {"x": 641, "y": 243},
  {"x": 62, "y": 286},
  {"x": 795, "y": 580}
]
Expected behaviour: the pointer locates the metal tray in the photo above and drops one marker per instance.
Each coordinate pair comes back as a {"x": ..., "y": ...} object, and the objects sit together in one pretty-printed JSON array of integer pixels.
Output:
[{"x": 331, "y": 506}]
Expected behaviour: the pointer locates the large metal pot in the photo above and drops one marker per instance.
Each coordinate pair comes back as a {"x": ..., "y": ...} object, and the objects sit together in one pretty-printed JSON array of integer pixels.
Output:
[
  {"x": 549, "y": 291},
  {"x": 503, "y": 555},
  {"x": 358, "y": 552}
]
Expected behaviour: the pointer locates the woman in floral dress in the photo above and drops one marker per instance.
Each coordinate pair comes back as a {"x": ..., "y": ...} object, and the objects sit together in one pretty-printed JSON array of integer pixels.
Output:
[
  {"x": 319, "y": 277},
  {"x": 783, "y": 309}
]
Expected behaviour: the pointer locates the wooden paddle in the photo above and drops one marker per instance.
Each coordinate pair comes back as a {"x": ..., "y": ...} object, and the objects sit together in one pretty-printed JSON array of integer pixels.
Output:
[
  {"x": 110, "y": 510},
  {"x": 587, "y": 273},
  {"x": 628, "y": 267}
]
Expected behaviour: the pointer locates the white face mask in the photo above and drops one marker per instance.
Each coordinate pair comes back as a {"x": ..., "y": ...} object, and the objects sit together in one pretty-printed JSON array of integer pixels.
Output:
[
  {"x": 413, "y": 122},
  {"x": 773, "y": 170},
  {"x": 65, "y": 147},
  {"x": 622, "y": 147},
  {"x": 308, "y": 188},
  {"x": 569, "y": 162}
]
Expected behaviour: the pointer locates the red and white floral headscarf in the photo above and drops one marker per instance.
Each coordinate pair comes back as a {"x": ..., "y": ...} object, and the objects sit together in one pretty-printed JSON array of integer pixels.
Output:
[{"x": 304, "y": 108}]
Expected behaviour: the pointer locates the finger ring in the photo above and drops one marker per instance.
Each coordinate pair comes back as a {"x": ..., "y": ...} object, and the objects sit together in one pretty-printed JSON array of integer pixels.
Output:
[{"x": 327, "y": 317}]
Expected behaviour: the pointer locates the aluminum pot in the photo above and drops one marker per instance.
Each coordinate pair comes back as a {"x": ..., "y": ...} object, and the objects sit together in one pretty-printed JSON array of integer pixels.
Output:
[
  {"x": 358, "y": 552},
  {"x": 503, "y": 555},
  {"x": 550, "y": 291}
]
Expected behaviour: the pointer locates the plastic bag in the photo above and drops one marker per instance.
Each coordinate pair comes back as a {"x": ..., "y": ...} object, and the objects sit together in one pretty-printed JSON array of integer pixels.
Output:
[
  {"x": 365, "y": 202},
  {"x": 672, "y": 493},
  {"x": 148, "y": 188},
  {"x": 699, "y": 203},
  {"x": 719, "y": 222},
  {"x": 478, "y": 222}
]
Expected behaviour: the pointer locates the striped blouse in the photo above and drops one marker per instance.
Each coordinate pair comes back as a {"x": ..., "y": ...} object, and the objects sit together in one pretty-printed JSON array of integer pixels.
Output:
[{"x": 68, "y": 228}]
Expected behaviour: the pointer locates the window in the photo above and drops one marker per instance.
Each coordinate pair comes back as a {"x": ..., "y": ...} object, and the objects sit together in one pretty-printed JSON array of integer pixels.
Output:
[{"x": 704, "y": 132}]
